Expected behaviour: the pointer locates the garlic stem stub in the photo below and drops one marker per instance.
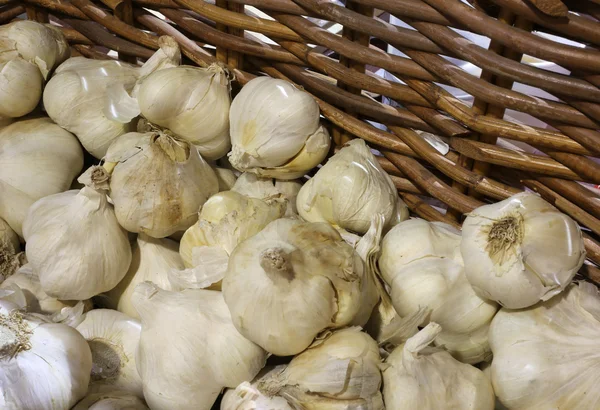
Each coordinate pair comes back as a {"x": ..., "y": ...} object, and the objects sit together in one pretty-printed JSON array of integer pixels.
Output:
[
  {"x": 521, "y": 250},
  {"x": 250, "y": 185},
  {"x": 275, "y": 130},
  {"x": 10, "y": 251}
]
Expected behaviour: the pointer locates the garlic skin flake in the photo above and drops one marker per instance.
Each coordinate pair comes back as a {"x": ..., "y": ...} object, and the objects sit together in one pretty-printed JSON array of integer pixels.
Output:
[
  {"x": 75, "y": 244},
  {"x": 417, "y": 376},
  {"x": 158, "y": 182},
  {"x": 111, "y": 400},
  {"x": 180, "y": 366},
  {"x": 349, "y": 189},
  {"x": 191, "y": 102},
  {"x": 20, "y": 87},
  {"x": 250, "y": 185},
  {"x": 113, "y": 338},
  {"x": 546, "y": 357},
  {"x": 292, "y": 280},
  {"x": 246, "y": 396},
  {"x": 521, "y": 250},
  {"x": 275, "y": 130},
  {"x": 10, "y": 251},
  {"x": 52, "y": 357}
]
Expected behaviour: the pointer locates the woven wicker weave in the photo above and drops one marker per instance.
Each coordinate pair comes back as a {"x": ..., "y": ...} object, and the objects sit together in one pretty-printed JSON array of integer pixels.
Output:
[{"x": 332, "y": 67}]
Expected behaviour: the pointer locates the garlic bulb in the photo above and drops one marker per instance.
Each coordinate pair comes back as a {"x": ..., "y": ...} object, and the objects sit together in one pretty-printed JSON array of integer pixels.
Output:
[
  {"x": 349, "y": 189},
  {"x": 20, "y": 87},
  {"x": 42, "y": 365},
  {"x": 246, "y": 396},
  {"x": 10, "y": 251},
  {"x": 37, "y": 159},
  {"x": 75, "y": 244},
  {"x": 226, "y": 219},
  {"x": 193, "y": 103},
  {"x": 189, "y": 349},
  {"x": 111, "y": 400},
  {"x": 40, "y": 44},
  {"x": 292, "y": 280},
  {"x": 417, "y": 376},
  {"x": 158, "y": 182},
  {"x": 339, "y": 370},
  {"x": 113, "y": 338},
  {"x": 254, "y": 187},
  {"x": 545, "y": 357},
  {"x": 421, "y": 263},
  {"x": 275, "y": 130},
  {"x": 521, "y": 250},
  {"x": 152, "y": 260},
  {"x": 226, "y": 178}
]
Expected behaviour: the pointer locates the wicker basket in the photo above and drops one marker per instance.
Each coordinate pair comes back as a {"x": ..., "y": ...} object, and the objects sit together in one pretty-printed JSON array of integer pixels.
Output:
[{"x": 412, "y": 95}]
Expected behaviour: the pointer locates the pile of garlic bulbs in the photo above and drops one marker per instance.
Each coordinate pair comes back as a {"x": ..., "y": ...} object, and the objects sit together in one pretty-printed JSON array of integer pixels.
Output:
[{"x": 196, "y": 265}]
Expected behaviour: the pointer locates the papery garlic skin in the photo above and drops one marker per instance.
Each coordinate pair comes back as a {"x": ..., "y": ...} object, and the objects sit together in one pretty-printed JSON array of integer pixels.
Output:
[
  {"x": 191, "y": 102},
  {"x": 20, "y": 87},
  {"x": 546, "y": 357},
  {"x": 75, "y": 244},
  {"x": 111, "y": 400},
  {"x": 10, "y": 249},
  {"x": 246, "y": 396},
  {"x": 42, "y": 365},
  {"x": 275, "y": 130},
  {"x": 416, "y": 376},
  {"x": 152, "y": 260},
  {"x": 180, "y": 366},
  {"x": 291, "y": 281},
  {"x": 37, "y": 159},
  {"x": 158, "y": 183},
  {"x": 521, "y": 250},
  {"x": 349, "y": 189},
  {"x": 113, "y": 338},
  {"x": 250, "y": 185}
]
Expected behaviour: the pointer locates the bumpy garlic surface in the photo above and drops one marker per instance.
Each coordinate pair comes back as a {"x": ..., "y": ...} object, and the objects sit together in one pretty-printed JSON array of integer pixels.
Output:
[
  {"x": 417, "y": 376},
  {"x": 111, "y": 400},
  {"x": 189, "y": 349},
  {"x": 158, "y": 182},
  {"x": 546, "y": 357},
  {"x": 42, "y": 365},
  {"x": 191, "y": 102},
  {"x": 349, "y": 189},
  {"x": 422, "y": 264},
  {"x": 20, "y": 87},
  {"x": 292, "y": 280},
  {"x": 521, "y": 250},
  {"x": 113, "y": 338},
  {"x": 275, "y": 130},
  {"x": 37, "y": 159},
  {"x": 250, "y": 185},
  {"x": 10, "y": 248}
]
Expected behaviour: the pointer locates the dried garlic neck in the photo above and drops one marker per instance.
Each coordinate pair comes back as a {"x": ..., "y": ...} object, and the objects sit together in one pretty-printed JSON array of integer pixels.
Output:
[
  {"x": 9, "y": 262},
  {"x": 106, "y": 359},
  {"x": 276, "y": 264},
  {"x": 177, "y": 151},
  {"x": 15, "y": 334},
  {"x": 503, "y": 236}
]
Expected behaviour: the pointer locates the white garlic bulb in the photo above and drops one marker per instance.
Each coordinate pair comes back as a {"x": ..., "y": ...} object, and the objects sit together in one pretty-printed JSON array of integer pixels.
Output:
[
  {"x": 113, "y": 338},
  {"x": 417, "y": 376},
  {"x": 246, "y": 396},
  {"x": 37, "y": 158},
  {"x": 339, "y": 370},
  {"x": 111, "y": 400},
  {"x": 152, "y": 260},
  {"x": 20, "y": 87},
  {"x": 10, "y": 251},
  {"x": 275, "y": 130},
  {"x": 545, "y": 357},
  {"x": 75, "y": 244},
  {"x": 520, "y": 250},
  {"x": 158, "y": 182},
  {"x": 191, "y": 102},
  {"x": 292, "y": 280},
  {"x": 349, "y": 189},
  {"x": 42, "y": 365},
  {"x": 422, "y": 264},
  {"x": 250, "y": 185},
  {"x": 180, "y": 366}
]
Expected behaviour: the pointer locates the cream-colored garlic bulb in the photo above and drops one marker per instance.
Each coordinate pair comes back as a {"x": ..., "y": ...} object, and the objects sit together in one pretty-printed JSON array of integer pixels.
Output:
[
  {"x": 92, "y": 98},
  {"x": 246, "y": 396},
  {"x": 158, "y": 182},
  {"x": 421, "y": 263},
  {"x": 40, "y": 44},
  {"x": 250, "y": 185},
  {"x": 521, "y": 250},
  {"x": 340, "y": 370},
  {"x": 10, "y": 251},
  {"x": 546, "y": 357},
  {"x": 292, "y": 280},
  {"x": 226, "y": 219},
  {"x": 75, "y": 244},
  {"x": 226, "y": 178},
  {"x": 189, "y": 349},
  {"x": 152, "y": 261},
  {"x": 349, "y": 189},
  {"x": 20, "y": 87},
  {"x": 37, "y": 159},
  {"x": 113, "y": 338},
  {"x": 275, "y": 130},
  {"x": 417, "y": 376},
  {"x": 193, "y": 103},
  {"x": 43, "y": 365},
  {"x": 111, "y": 400}
]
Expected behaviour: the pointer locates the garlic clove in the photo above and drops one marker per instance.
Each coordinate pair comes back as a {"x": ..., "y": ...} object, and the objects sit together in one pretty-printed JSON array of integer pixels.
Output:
[{"x": 226, "y": 178}]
